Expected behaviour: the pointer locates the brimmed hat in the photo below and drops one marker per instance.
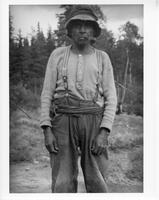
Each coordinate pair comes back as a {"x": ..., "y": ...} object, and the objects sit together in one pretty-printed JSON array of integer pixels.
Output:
[{"x": 83, "y": 13}]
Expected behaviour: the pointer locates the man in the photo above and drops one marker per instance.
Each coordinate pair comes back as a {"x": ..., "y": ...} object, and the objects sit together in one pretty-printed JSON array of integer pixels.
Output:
[{"x": 79, "y": 88}]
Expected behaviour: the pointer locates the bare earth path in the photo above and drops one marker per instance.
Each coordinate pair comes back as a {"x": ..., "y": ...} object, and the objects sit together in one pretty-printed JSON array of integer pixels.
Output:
[{"x": 35, "y": 178}]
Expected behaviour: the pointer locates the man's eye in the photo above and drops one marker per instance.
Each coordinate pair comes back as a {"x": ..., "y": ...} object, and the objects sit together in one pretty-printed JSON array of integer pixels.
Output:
[
  {"x": 78, "y": 25},
  {"x": 88, "y": 24}
]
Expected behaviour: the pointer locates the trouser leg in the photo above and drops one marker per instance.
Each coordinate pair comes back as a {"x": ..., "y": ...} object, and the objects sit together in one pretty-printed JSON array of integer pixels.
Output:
[
  {"x": 94, "y": 167},
  {"x": 64, "y": 164}
]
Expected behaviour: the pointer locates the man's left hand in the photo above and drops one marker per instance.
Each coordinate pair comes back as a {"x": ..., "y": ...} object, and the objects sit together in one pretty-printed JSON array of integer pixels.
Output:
[{"x": 100, "y": 142}]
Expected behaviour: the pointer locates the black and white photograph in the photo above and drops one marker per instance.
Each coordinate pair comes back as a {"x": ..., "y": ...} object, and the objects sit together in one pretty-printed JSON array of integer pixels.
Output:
[
  {"x": 76, "y": 98},
  {"x": 78, "y": 82}
]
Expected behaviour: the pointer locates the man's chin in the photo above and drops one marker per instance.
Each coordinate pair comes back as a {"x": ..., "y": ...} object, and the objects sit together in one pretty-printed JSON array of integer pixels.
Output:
[{"x": 83, "y": 42}]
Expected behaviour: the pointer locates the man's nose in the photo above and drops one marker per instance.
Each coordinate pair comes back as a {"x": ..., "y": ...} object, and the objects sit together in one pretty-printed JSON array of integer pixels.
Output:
[{"x": 82, "y": 28}]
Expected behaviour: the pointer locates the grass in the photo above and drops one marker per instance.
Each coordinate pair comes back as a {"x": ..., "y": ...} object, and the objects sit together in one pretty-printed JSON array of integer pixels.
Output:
[
  {"x": 136, "y": 171},
  {"x": 126, "y": 148},
  {"x": 26, "y": 137},
  {"x": 127, "y": 133}
]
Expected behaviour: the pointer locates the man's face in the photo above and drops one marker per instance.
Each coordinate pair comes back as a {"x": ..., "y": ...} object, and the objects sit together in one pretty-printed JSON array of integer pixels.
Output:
[{"x": 82, "y": 32}]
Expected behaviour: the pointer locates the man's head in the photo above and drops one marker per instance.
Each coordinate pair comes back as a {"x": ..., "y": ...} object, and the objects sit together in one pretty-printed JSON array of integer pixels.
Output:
[{"x": 82, "y": 24}]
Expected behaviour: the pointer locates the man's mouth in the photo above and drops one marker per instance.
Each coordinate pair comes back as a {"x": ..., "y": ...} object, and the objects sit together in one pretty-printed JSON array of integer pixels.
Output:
[{"x": 82, "y": 38}]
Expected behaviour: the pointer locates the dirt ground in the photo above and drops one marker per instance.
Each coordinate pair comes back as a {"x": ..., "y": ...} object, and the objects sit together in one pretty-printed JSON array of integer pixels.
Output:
[{"x": 36, "y": 178}]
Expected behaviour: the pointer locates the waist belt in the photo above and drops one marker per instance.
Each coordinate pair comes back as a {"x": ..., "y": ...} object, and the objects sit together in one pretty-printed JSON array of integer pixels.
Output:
[{"x": 79, "y": 110}]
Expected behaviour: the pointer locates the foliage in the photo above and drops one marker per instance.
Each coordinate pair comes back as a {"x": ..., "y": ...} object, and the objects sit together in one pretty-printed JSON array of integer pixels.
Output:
[
  {"x": 20, "y": 96},
  {"x": 28, "y": 59},
  {"x": 127, "y": 59},
  {"x": 26, "y": 140}
]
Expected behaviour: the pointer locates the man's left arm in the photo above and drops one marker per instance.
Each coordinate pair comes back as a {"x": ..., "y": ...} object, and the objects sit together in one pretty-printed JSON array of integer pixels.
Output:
[
  {"x": 109, "y": 92},
  {"x": 100, "y": 143}
]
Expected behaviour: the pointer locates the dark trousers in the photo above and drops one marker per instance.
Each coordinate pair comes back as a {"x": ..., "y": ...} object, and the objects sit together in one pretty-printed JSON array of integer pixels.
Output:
[{"x": 75, "y": 131}]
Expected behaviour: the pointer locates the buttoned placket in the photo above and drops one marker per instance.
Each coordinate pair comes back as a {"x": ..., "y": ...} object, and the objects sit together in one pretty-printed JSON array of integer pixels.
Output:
[{"x": 79, "y": 74}]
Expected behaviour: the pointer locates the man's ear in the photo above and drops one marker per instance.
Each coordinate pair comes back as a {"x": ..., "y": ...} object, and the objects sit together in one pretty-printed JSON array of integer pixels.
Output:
[
  {"x": 66, "y": 32},
  {"x": 93, "y": 40},
  {"x": 69, "y": 33}
]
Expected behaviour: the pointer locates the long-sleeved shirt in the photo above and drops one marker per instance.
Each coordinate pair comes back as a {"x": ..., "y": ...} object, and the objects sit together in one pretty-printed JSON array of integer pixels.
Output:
[{"x": 82, "y": 73}]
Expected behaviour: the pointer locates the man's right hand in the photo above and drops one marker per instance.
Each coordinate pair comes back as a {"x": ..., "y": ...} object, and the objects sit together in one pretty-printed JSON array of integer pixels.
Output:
[{"x": 50, "y": 140}]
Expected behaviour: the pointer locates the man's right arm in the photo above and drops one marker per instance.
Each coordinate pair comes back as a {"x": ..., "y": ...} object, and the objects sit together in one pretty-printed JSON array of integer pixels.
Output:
[
  {"x": 46, "y": 98},
  {"x": 48, "y": 91}
]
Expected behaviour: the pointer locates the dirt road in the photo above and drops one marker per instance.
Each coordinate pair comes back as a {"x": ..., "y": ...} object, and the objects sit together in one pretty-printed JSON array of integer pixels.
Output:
[{"x": 35, "y": 178}]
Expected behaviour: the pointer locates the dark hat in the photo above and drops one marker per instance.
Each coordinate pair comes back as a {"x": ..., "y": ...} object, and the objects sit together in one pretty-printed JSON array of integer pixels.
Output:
[{"x": 83, "y": 13}]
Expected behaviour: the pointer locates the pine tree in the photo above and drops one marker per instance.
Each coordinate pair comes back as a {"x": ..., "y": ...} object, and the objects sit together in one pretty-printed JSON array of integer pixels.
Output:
[
  {"x": 50, "y": 41},
  {"x": 38, "y": 60}
]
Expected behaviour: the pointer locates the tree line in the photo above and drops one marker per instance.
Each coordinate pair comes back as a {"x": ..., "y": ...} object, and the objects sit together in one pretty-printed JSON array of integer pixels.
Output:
[{"x": 28, "y": 60}]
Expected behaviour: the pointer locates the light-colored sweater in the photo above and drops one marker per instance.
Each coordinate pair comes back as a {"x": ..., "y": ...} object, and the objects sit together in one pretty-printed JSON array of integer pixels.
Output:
[{"x": 82, "y": 72}]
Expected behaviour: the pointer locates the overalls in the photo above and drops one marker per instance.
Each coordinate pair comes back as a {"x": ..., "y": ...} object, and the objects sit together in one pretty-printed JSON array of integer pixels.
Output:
[{"x": 75, "y": 125}]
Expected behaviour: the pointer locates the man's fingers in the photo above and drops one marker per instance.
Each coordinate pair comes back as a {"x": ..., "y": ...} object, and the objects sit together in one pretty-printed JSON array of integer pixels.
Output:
[
  {"x": 107, "y": 142},
  {"x": 55, "y": 146},
  {"x": 99, "y": 151},
  {"x": 51, "y": 148},
  {"x": 94, "y": 148},
  {"x": 106, "y": 153}
]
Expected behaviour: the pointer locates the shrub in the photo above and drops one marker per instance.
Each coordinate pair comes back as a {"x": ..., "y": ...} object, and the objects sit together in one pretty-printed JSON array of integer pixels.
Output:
[
  {"x": 22, "y": 97},
  {"x": 26, "y": 138}
]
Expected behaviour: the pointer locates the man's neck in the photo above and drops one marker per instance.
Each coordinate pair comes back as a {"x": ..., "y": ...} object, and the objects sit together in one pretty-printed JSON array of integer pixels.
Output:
[{"x": 82, "y": 49}]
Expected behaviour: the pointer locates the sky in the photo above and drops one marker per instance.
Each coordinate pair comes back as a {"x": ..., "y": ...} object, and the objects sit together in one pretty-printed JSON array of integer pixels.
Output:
[{"x": 26, "y": 17}]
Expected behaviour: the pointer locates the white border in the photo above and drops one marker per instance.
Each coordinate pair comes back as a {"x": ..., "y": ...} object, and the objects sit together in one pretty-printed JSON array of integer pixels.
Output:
[{"x": 151, "y": 105}]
